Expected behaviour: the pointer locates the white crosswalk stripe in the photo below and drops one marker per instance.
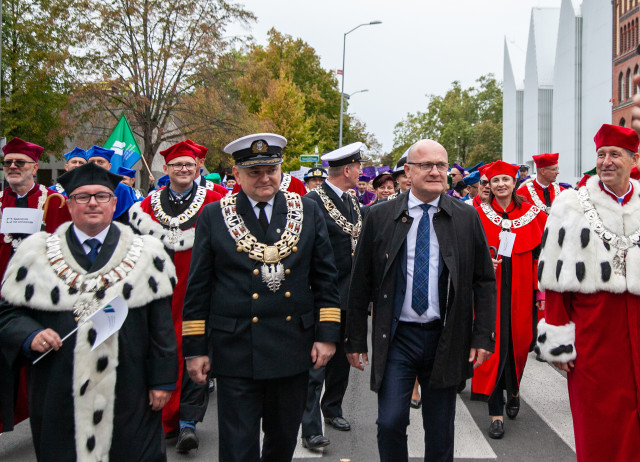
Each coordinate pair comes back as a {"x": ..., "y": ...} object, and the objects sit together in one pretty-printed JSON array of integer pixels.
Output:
[{"x": 545, "y": 390}]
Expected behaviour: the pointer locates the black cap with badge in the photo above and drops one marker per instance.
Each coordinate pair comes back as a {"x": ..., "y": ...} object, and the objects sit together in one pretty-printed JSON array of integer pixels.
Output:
[
  {"x": 256, "y": 150},
  {"x": 89, "y": 174}
]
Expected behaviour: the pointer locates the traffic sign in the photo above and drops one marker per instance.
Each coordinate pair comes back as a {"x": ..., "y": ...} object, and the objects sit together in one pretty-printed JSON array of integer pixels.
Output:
[{"x": 309, "y": 158}]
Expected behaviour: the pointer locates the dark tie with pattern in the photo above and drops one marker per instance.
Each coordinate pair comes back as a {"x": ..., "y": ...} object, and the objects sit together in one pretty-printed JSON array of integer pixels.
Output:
[
  {"x": 347, "y": 204},
  {"x": 547, "y": 196},
  {"x": 420, "y": 297},
  {"x": 262, "y": 218},
  {"x": 95, "y": 245}
]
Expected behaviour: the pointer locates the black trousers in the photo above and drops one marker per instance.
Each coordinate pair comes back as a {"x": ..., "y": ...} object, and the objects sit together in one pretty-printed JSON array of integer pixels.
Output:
[
  {"x": 412, "y": 353},
  {"x": 242, "y": 402},
  {"x": 194, "y": 399},
  {"x": 335, "y": 376}
]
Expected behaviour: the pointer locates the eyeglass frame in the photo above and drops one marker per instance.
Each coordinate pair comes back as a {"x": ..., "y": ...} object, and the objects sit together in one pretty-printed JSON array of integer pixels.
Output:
[
  {"x": 17, "y": 162},
  {"x": 95, "y": 196},
  {"x": 424, "y": 166},
  {"x": 187, "y": 166}
]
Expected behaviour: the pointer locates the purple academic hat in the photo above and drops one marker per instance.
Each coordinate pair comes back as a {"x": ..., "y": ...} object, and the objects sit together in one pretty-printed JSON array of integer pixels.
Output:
[
  {"x": 325, "y": 163},
  {"x": 364, "y": 178},
  {"x": 384, "y": 168},
  {"x": 369, "y": 171},
  {"x": 566, "y": 185},
  {"x": 459, "y": 167}
]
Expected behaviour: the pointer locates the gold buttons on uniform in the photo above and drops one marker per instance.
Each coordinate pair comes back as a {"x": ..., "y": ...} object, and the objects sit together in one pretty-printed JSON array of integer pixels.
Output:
[
  {"x": 353, "y": 254},
  {"x": 239, "y": 249},
  {"x": 287, "y": 271},
  {"x": 287, "y": 294},
  {"x": 254, "y": 296},
  {"x": 288, "y": 318},
  {"x": 256, "y": 271},
  {"x": 294, "y": 248},
  {"x": 255, "y": 320}
]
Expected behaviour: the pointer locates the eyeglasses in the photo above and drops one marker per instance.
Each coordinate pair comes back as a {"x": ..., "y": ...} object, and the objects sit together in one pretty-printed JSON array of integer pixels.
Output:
[
  {"x": 484, "y": 182},
  {"x": 84, "y": 198},
  {"x": 428, "y": 166},
  {"x": 179, "y": 166},
  {"x": 19, "y": 163}
]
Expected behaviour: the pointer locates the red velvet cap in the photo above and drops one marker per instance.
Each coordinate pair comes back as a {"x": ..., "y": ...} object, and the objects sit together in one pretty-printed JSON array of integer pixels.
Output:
[
  {"x": 484, "y": 168},
  {"x": 18, "y": 146},
  {"x": 500, "y": 168},
  {"x": 179, "y": 149},
  {"x": 202, "y": 151},
  {"x": 613, "y": 135},
  {"x": 546, "y": 160},
  {"x": 635, "y": 174}
]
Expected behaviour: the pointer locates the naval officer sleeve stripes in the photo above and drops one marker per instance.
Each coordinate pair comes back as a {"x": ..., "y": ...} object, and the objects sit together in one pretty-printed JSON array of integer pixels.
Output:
[
  {"x": 193, "y": 327},
  {"x": 330, "y": 314}
]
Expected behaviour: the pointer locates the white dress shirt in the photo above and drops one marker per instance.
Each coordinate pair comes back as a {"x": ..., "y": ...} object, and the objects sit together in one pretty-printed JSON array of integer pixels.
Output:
[
  {"x": 432, "y": 313},
  {"x": 267, "y": 209},
  {"x": 82, "y": 237}
]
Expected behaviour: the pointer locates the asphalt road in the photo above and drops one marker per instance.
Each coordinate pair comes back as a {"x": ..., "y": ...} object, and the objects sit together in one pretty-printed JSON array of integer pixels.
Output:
[{"x": 542, "y": 431}]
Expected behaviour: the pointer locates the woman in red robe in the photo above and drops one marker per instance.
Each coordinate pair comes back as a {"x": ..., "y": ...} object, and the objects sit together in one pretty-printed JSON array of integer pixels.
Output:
[{"x": 506, "y": 217}]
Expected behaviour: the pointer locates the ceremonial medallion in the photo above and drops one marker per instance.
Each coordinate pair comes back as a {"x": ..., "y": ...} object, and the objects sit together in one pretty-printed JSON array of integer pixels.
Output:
[
  {"x": 353, "y": 230},
  {"x": 536, "y": 199}
]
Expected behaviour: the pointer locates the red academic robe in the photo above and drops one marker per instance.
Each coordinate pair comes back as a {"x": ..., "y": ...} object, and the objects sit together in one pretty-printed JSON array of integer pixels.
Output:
[
  {"x": 523, "y": 287},
  {"x": 477, "y": 201},
  {"x": 57, "y": 213},
  {"x": 524, "y": 192},
  {"x": 294, "y": 185},
  {"x": 604, "y": 385},
  {"x": 182, "y": 262}
]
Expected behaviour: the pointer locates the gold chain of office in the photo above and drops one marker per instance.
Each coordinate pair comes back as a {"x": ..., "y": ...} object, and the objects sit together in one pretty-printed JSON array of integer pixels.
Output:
[
  {"x": 536, "y": 199},
  {"x": 270, "y": 255},
  {"x": 353, "y": 230}
]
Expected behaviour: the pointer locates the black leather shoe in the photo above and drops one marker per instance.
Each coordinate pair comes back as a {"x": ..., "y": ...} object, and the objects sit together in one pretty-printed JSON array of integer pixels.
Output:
[
  {"x": 496, "y": 429},
  {"x": 339, "y": 423},
  {"x": 187, "y": 440},
  {"x": 315, "y": 441},
  {"x": 211, "y": 386},
  {"x": 513, "y": 406},
  {"x": 415, "y": 403}
]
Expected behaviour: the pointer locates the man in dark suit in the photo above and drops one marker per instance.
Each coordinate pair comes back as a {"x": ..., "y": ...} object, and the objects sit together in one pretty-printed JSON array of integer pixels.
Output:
[
  {"x": 423, "y": 261},
  {"x": 262, "y": 294},
  {"x": 342, "y": 215}
]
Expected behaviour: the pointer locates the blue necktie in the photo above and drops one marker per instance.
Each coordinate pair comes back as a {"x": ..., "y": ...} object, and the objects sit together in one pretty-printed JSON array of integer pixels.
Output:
[
  {"x": 420, "y": 297},
  {"x": 95, "y": 245}
]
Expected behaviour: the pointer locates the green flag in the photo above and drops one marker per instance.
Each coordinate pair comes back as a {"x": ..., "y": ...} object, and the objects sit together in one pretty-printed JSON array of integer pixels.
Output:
[{"x": 125, "y": 147}]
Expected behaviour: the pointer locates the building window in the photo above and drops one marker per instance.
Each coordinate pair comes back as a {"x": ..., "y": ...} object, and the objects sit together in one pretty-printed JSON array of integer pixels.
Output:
[
  {"x": 635, "y": 87},
  {"x": 623, "y": 123},
  {"x": 620, "y": 88},
  {"x": 627, "y": 85}
]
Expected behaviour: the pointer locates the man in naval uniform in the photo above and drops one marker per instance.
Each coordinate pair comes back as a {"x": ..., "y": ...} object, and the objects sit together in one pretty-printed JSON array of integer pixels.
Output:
[
  {"x": 543, "y": 190},
  {"x": 74, "y": 159},
  {"x": 20, "y": 166},
  {"x": 341, "y": 212},
  {"x": 87, "y": 403},
  {"x": 170, "y": 214},
  {"x": 262, "y": 294}
]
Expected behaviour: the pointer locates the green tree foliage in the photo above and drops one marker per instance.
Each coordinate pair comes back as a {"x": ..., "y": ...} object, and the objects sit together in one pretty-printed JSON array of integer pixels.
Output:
[
  {"x": 142, "y": 57},
  {"x": 279, "y": 87},
  {"x": 467, "y": 122},
  {"x": 35, "y": 77}
]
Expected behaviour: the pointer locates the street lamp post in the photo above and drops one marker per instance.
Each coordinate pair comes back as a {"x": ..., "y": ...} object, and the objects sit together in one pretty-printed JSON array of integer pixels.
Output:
[{"x": 344, "y": 48}]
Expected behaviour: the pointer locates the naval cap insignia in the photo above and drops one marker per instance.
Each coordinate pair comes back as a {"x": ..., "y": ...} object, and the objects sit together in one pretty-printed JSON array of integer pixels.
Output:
[{"x": 259, "y": 146}]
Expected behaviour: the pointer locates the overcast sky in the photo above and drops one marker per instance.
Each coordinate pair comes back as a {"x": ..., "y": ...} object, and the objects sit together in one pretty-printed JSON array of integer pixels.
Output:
[{"x": 419, "y": 49}]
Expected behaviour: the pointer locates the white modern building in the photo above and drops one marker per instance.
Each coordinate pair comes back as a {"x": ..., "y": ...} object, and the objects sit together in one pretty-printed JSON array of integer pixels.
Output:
[{"x": 557, "y": 93}]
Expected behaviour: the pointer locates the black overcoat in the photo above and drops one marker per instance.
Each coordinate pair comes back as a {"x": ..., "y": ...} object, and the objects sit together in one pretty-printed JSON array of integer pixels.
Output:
[{"x": 467, "y": 287}]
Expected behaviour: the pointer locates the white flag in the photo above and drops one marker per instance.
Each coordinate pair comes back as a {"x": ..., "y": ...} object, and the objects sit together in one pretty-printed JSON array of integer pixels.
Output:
[{"x": 108, "y": 319}]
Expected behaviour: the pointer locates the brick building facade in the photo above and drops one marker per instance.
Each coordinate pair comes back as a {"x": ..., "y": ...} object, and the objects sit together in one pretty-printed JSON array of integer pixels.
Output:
[{"x": 626, "y": 61}]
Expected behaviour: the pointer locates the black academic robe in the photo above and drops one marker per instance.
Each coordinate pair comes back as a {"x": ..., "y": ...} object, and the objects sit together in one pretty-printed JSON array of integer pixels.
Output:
[{"x": 86, "y": 405}]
